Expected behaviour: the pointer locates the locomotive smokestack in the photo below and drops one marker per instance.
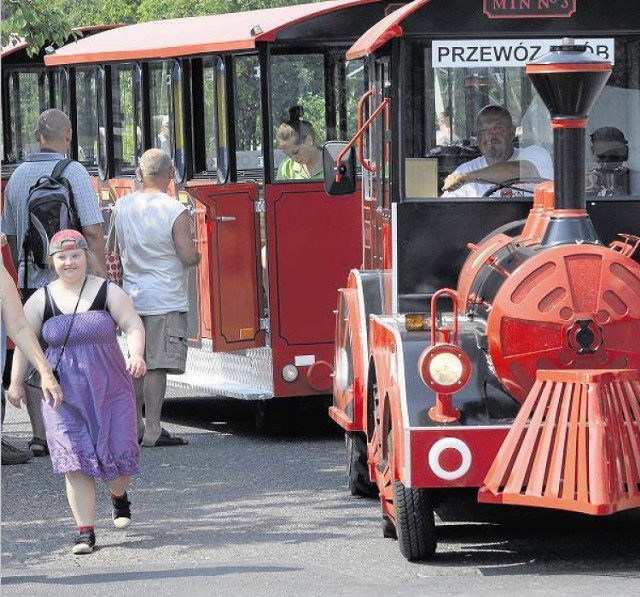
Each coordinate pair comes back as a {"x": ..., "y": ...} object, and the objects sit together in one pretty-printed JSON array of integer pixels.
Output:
[{"x": 569, "y": 80}]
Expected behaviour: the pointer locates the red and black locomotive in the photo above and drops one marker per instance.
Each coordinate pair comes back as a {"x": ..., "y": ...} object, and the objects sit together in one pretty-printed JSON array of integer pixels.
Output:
[{"x": 500, "y": 350}]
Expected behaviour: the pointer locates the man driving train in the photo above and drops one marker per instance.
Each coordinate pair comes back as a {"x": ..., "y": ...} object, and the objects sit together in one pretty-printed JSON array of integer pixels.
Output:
[{"x": 500, "y": 160}]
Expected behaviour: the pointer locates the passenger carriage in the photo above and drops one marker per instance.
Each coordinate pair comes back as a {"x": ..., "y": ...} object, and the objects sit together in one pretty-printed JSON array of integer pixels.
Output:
[{"x": 274, "y": 252}]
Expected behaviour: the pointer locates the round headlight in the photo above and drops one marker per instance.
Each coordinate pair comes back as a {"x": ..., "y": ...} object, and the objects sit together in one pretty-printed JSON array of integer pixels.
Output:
[
  {"x": 290, "y": 373},
  {"x": 446, "y": 368}
]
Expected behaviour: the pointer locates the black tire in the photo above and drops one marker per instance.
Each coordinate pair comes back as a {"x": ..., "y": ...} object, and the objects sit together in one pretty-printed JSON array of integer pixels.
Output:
[
  {"x": 357, "y": 468},
  {"x": 415, "y": 523}
]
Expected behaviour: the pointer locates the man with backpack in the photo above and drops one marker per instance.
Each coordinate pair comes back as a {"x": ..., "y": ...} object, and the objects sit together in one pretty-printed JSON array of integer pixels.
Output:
[{"x": 32, "y": 211}]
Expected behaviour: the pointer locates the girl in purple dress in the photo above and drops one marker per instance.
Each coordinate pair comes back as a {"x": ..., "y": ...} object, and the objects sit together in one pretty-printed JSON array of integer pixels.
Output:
[{"x": 92, "y": 434}]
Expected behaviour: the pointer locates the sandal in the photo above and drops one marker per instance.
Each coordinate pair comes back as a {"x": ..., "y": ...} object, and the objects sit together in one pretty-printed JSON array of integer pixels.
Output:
[
  {"x": 166, "y": 439},
  {"x": 39, "y": 447}
]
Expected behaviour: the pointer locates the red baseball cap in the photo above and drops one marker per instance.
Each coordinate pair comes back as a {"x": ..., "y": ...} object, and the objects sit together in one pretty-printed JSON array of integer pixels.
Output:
[{"x": 67, "y": 240}]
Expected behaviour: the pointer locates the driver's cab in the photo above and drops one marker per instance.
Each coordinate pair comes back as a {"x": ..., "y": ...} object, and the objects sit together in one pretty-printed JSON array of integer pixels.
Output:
[
  {"x": 428, "y": 129},
  {"x": 448, "y": 92},
  {"x": 465, "y": 112}
]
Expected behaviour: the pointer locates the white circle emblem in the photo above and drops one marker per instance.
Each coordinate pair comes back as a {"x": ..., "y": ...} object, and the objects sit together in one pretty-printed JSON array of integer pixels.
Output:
[{"x": 455, "y": 444}]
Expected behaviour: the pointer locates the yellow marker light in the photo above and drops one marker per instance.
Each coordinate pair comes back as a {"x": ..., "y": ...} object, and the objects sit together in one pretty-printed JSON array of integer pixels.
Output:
[{"x": 416, "y": 322}]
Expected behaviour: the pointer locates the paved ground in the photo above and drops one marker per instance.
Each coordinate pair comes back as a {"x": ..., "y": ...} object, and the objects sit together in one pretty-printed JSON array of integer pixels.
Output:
[{"x": 235, "y": 513}]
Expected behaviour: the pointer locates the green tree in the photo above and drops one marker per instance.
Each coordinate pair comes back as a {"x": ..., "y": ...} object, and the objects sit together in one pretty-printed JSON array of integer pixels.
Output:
[
  {"x": 151, "y": 10},
  {"x": 103, "y": 12},
  {"x": 38, "y": 22}
]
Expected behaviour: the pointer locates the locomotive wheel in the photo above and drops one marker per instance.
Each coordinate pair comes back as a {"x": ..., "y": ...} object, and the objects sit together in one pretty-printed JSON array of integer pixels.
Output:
[
  {"x": 415, "y": 523},
  {"x": 357, "y": 467}
]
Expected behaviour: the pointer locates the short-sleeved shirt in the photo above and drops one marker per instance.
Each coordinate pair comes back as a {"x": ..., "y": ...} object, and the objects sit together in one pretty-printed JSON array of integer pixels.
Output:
[
  {"x": 289, "y": 169},
  {"x": 154, "y": 277},
  {"x": 535, "y": 154},
  {"x": 15, "y": 217}
]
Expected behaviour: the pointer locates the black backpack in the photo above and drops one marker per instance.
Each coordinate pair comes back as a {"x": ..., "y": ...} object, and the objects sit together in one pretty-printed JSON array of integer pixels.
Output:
[{"x": 50, "y": 208}]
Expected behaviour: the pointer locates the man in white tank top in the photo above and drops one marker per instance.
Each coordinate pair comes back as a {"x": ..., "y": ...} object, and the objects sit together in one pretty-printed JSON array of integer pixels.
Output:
[{"x": 154, "y": 236}]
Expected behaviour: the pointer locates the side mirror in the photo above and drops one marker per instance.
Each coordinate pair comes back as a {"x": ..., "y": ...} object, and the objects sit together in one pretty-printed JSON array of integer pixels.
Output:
[{"x": 339, "y": 180}]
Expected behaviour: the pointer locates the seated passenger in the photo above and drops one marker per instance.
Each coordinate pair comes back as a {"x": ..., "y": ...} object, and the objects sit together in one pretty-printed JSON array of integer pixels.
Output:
[
  {"x": 500, "y": 160},
  {"x": 297, "y": 139},
  {"x": 610, "y": 151},
  {"x": 164, "y": 136},
  {"x": 444, "y": 135}
]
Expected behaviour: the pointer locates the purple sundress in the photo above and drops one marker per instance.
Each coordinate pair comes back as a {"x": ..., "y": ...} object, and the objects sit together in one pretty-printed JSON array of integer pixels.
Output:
[{"x": 94, "y": 430}]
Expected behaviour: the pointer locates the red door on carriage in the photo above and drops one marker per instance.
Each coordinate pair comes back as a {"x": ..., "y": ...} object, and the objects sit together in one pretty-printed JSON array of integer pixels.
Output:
[
  {"x": 313, "y": 244},
  {"x": 231, "y": 288}
]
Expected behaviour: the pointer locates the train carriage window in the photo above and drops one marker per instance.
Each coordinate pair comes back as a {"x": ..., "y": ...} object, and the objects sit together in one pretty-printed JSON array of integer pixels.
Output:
[
  {"x": 613, "y": 131},
  {"x": 101, "y": 89},
  {"x": 221, "y": 112},
  {"x": 459, "y": 93},
  {"x": 209, "y": 117},
  {"x": 161, "y": 98},
  {"x": 354, "y": 88},
  {"x": 178, "y": 121},
  {"x": 127, "y": 130},
  {"x": 60, "y": 98},
  {"x": 299, "y": 111},
  {"x": 86, "y": 132},
  {"x": 28, "y": 96},
  {"x": 451, "y": 137},
  {"x": 248, "y": 116}
]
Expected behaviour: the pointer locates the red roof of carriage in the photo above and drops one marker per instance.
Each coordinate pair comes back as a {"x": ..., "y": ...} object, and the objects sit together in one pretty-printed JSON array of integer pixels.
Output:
[
  {"x": 193, "y": 35},
  {"x": 383, "y": 30}
]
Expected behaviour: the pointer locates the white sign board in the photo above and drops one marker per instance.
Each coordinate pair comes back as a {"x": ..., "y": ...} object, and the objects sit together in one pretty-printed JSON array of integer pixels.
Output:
[{"x": 469, "y": 53}]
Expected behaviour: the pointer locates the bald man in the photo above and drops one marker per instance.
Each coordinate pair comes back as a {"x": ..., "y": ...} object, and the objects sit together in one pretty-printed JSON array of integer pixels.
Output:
[
  {"x": 53, "y": 134},
  {"x": 157, "y": 248}
]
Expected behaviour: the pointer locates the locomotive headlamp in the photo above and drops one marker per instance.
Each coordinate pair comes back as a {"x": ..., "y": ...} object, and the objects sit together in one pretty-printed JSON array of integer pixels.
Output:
[
  {"x": 290, "y": 373},
  {"x": 445, "y": 368}
]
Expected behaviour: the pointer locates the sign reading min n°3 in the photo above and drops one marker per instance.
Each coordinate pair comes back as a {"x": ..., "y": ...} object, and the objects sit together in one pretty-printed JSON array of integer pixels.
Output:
[{"x": 527, "y": 9}]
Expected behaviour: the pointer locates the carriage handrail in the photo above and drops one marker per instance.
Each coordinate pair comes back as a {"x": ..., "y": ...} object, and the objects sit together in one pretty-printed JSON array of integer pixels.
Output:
[{"x": 357, "y": 137}]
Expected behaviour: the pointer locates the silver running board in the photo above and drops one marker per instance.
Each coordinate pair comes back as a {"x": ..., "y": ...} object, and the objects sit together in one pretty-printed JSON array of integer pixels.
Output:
[{"x": 244, "y": 374}]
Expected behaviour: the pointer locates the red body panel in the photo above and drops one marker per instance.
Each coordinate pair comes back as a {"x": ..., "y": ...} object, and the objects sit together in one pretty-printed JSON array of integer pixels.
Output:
[
  {"x": 351, "y": 348},
  {"x": 119, "y": 187},
  {"x": 313, "y": 241},
  {"x": 483, "y": 444},
  {"x": 231, "y": 249}
]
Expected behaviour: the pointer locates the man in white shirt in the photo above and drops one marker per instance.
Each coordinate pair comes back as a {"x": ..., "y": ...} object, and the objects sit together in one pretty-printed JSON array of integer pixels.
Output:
[
  {"x": 500, "y": 160},
  {"x": 154, "y": 236}
]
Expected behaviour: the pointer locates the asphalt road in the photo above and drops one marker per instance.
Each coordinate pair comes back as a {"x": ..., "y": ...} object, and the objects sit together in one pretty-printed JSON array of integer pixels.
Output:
[{"x": 236, "y": 513}]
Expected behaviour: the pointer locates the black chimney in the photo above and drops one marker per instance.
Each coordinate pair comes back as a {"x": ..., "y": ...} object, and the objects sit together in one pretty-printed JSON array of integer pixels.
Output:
[{"x": 569, "y": 79}]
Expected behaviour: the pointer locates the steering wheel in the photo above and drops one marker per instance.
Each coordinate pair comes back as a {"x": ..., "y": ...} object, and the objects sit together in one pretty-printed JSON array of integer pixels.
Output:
[{"x": 511, "y": 184}]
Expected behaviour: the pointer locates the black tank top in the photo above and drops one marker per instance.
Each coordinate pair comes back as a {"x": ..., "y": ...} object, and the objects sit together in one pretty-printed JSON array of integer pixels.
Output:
[{"x": 51, "y": 309}]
